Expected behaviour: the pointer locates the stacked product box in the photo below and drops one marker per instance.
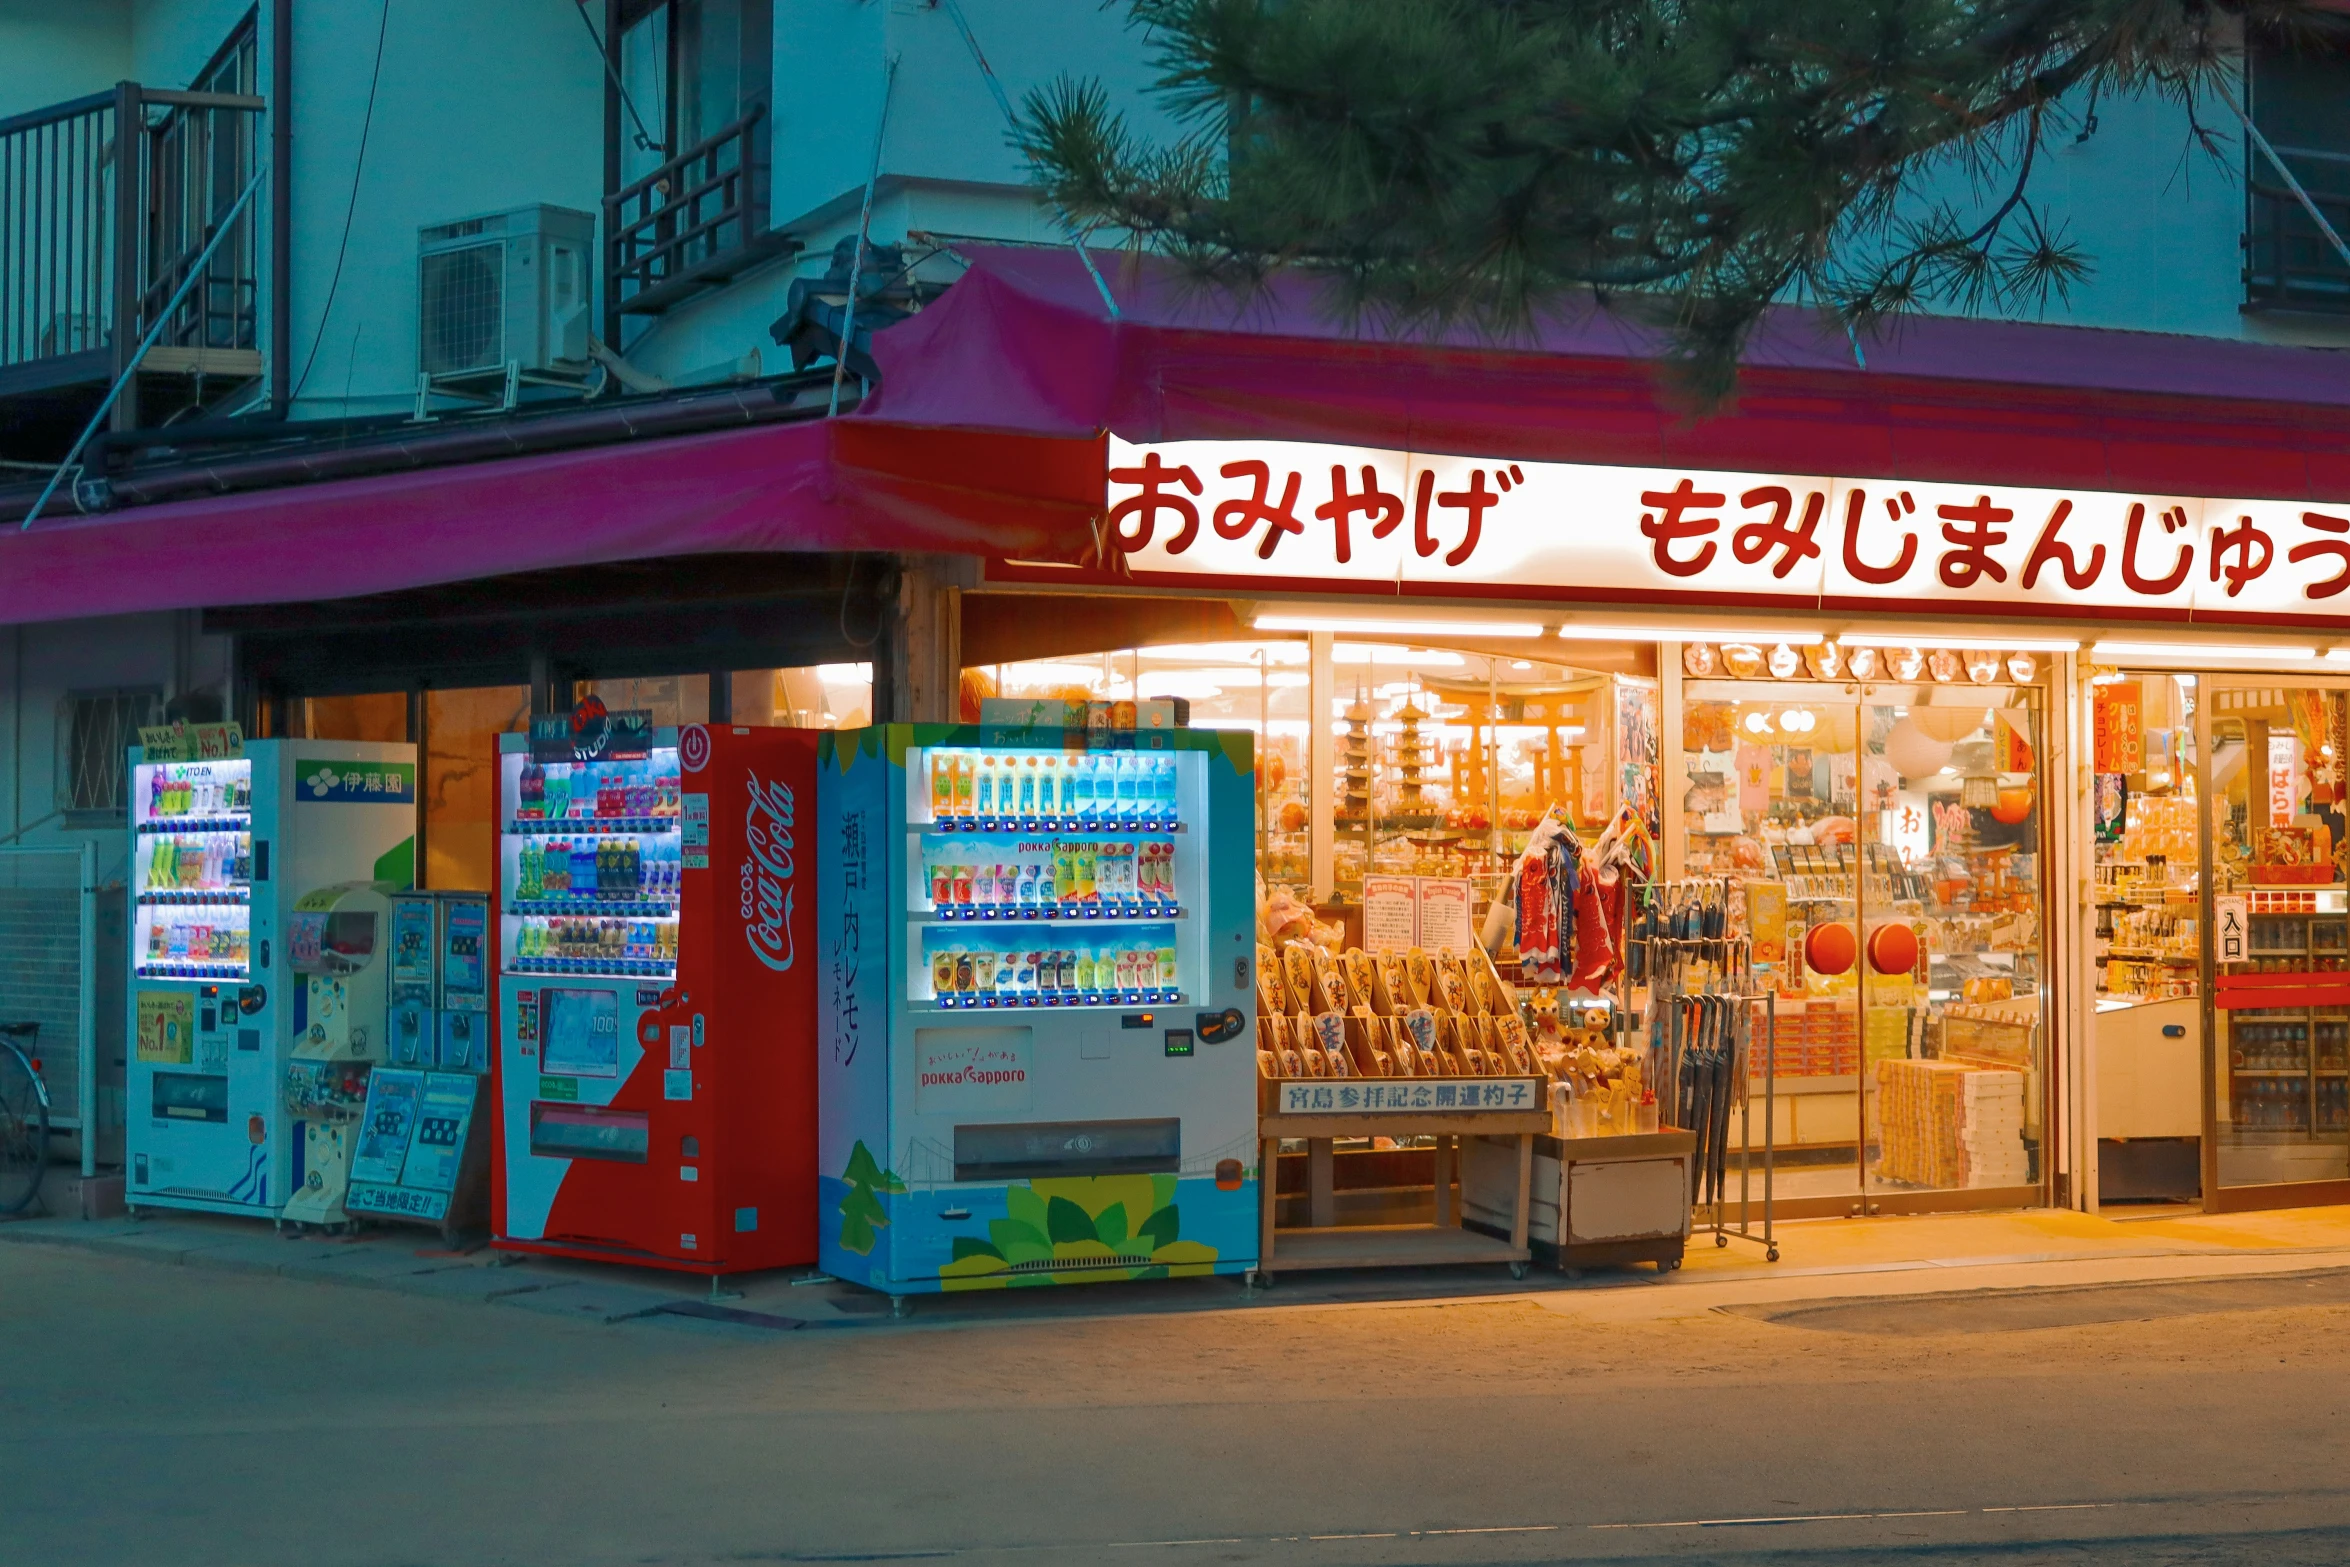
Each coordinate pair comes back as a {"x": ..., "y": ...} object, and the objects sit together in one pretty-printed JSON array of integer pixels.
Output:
[
  {"x": 1819, "y": 1038},
  {"x": 1943, "y": 1124}
]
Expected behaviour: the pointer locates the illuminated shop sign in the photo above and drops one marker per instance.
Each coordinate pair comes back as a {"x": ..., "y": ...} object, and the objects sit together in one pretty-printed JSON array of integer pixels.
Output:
[{"x": 1294, "y": 515}]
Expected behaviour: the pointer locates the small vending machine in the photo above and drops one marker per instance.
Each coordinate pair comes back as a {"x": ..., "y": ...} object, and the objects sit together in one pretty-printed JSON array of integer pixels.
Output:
[
  {"x": 227, "y": 835},
  {"x": 422, "y": 1152},
  {"x": 1036, "y": 1062},
  {"x": 656, "y": 1003}
]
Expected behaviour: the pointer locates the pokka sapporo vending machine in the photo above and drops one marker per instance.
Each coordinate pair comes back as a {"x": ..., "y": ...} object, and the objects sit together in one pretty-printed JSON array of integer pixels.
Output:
[
  {"x": 1036, "y": 1061},
  {"x": 656, "y": 1011},
  {"x": 227, "y": 836}
]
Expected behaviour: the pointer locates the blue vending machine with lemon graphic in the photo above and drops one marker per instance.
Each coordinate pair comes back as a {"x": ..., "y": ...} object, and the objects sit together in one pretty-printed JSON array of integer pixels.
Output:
[
  {"x": 1035, "y": 1056},
  {"x": 228, "y": 836}
]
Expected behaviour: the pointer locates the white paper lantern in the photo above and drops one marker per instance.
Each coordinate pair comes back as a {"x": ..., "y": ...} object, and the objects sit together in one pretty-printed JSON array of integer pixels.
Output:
[{"x": 1914, "y": 753}]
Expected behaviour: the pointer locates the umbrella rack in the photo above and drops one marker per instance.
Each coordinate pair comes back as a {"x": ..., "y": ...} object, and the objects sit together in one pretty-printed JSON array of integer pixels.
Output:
[{"x": 1706, "y": 1022}]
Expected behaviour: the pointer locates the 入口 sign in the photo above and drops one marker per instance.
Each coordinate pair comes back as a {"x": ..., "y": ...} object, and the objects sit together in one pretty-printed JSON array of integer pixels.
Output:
[
  {"x": 1303, "y": 515},
  {"x": 2231, "y": 926}
]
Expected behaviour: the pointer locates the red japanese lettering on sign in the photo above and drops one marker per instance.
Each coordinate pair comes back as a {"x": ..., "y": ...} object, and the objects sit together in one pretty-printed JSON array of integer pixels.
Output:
[
  {"x": 2049, "y": 548},
  {"x": 1476, "y": 500},
  {"x": 1972, "y": 532},
  {"x": 2174, "y": 520},
  {"x": 1671, "y": 523},
  {"x": 2252, "y": 548},
  {"x": 1380, "y": 508},
  {"x": 1896, "y": 507},
  {"x": 1795, "y": 545},
  {"x": 1234, "y": 519},
  {"x": 1157, "y": 482},
  {"x": 2338, "y": 548}
]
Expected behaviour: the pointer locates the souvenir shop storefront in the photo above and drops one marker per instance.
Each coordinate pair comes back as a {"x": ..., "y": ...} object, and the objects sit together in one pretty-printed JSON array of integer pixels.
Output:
[
  {"x": 1972, "y": 857},
  {"x": 1993, "y": 748}
]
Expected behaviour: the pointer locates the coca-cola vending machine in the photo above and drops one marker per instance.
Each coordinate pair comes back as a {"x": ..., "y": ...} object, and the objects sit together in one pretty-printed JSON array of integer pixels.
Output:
[{"x": 656, "y": 1007}]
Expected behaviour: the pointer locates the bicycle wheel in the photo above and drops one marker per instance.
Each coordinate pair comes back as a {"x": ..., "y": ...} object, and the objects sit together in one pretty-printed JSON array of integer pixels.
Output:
[{"x": 24, "y": 1132}]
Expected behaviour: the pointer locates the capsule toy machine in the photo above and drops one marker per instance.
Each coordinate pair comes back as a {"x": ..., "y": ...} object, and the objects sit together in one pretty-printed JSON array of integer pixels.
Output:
[
  {"x": 1036, "y": 1061},
  {"x": 226, "y": 834},
  {"x": 423, "y": 1154},
  {"x": 337, "y": 945},
  {"x": 656, "y": 1003}
]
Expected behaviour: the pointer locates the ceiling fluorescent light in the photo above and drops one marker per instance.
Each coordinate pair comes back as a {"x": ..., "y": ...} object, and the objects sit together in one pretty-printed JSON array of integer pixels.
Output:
[
  {"x": 2203, "y": 652},
  {"x": 1577, "y": 631},
  {"x": 1935, "y": 639},
  {"x": 1398, "y": 628}
]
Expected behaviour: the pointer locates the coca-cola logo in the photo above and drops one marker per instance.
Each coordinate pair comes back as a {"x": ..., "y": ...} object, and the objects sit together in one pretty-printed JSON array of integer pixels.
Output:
[{"x": 767, "y": 889}]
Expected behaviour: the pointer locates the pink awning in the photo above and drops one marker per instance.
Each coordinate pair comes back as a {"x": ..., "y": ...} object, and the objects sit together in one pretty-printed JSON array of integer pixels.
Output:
[
  {"x": 1024, "y": 342},
  {"x": 814, "y": 486}
]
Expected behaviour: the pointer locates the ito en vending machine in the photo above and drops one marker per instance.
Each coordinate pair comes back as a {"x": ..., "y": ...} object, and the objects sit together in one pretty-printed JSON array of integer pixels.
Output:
[
  {"x": 1036, "y": 1064},
  {"x": 656, "y": 1016},
  {"x": 229, "y": 839}
]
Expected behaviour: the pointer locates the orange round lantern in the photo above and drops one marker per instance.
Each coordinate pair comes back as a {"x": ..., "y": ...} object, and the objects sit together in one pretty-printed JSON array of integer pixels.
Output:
[
  {"x": 1893, "y": 948},
  {"x": 2014, "y": 805},
  {"x": 1830, "y": 949}
]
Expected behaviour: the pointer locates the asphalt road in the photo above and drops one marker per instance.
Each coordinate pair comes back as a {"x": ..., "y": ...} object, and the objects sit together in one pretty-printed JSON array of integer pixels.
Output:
[{"x": 174, "y": 1415}]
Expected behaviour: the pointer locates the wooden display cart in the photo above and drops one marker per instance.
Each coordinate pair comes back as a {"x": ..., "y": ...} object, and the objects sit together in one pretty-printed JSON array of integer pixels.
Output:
[{"x": 1322, "y": 1110}]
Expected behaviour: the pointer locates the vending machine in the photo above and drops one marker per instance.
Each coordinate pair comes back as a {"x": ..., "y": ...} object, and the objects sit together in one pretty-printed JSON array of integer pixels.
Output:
[
  {"x": 1036, "y": 1063},
  {"x": 656, "y": 1003},
  {"x": 422, "y": 1152},
  {"x": 227, "y": 835}
]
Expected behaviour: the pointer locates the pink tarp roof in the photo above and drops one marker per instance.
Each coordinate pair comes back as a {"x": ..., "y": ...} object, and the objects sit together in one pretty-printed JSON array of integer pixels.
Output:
[
  {"x": 820, "y": 485},
  {"x": 986, "y": 438},
  {"x": 1024, "y": 342}
]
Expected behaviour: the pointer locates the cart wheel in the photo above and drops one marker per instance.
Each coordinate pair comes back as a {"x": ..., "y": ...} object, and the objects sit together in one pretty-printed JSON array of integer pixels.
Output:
[
  {"x": 1517, "y": 1270},
  {"x": 1668, "y": 1264},
  {"x": 1264, "y": 1279},
  {"x": 1721, "y": 1240},
  {"x": 901, "y": 1305},
  {"x": 1772, "y": 1255}
]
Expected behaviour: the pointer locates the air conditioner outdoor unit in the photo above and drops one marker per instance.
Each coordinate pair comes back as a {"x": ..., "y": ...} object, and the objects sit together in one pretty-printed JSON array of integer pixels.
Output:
[{"x": 509, "y": 287}]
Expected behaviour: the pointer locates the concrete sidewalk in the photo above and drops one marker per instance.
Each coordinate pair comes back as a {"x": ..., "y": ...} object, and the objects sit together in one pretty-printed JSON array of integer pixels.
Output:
[{"x": 1821, "y": 1259}]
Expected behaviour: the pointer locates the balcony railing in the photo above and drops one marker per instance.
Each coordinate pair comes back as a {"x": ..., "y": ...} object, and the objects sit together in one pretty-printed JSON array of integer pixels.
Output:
[
  {"x": 98, "y": 229},
  {"x": 2289, "y": 264},
  {"x": 697, "y": 220}
]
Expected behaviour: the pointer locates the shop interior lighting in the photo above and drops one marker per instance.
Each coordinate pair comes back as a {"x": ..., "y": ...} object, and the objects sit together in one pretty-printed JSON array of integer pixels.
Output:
[
  {"x": 1226, "y": 653},
  {"x": 1982, "y": 644},
  {"x": 1378, "y": 653},
  {"x": 2203, "y": 653},
  {"x": 1398, "y": 628},
  {"x": 1577, "y": 631}
]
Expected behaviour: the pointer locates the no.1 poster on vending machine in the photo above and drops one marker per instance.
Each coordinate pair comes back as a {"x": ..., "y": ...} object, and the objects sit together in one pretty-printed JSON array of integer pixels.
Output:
[{"x": 656, "y": 1010}]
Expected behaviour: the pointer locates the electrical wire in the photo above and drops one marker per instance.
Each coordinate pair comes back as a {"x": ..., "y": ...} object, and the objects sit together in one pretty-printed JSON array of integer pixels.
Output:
[
  {"x": 644, "y": 138},
  {"x": 358, "y": 167}
]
